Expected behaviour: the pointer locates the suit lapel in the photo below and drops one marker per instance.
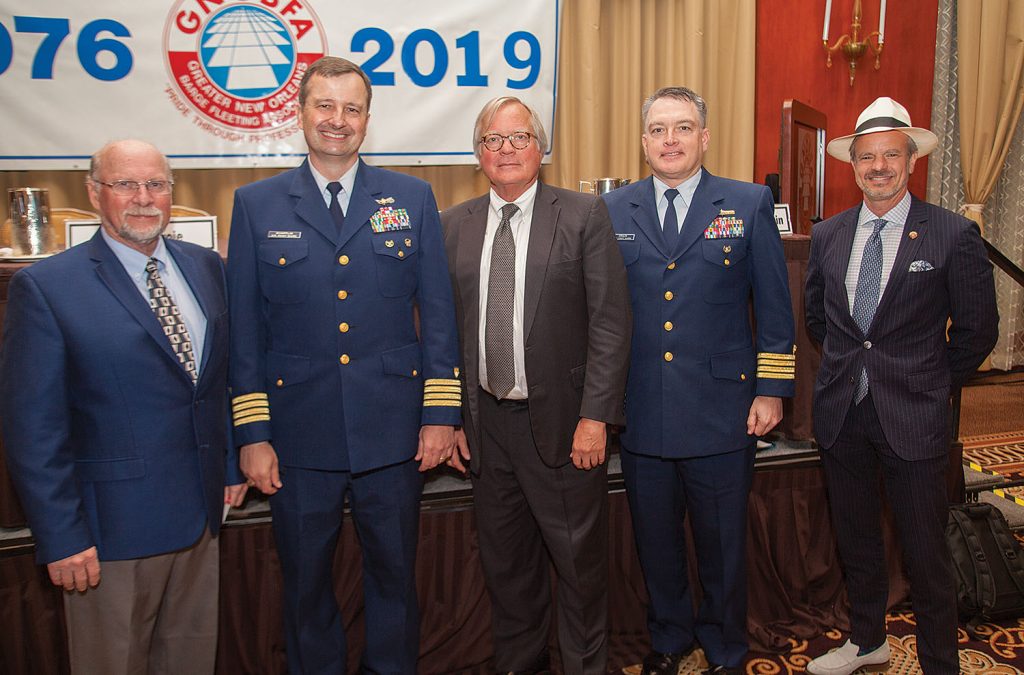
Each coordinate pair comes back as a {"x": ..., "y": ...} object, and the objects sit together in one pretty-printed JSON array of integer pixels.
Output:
[
  {"x": 704, "y": 208},
  {"x": 844, "y": 245},
  {"x": 542, "y": 233},
  {"x": 471, "y": 229},
  {"x": 112, "y": 273},
  {"x": 309, "y": 203},
  {"x": 917, "y": 221},
  {"x": 365, "y": 191},
  {"x": 645, "y": 215}
]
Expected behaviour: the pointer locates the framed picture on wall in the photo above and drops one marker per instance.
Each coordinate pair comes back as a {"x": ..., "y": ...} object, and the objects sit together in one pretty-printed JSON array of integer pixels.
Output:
[{"x": 802, "y": 164}]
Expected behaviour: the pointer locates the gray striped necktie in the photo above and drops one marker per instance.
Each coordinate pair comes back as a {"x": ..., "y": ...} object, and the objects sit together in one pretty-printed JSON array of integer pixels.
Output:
[
  {"x": 501, "y": 304},
  {"x": 865, "y": 298}
]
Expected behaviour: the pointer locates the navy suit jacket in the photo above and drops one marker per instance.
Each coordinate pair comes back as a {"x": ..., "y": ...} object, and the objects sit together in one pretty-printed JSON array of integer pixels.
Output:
[
  {"x": 108, "y": 441},
  {"x": 343, "y": 344},
  {"x": 576, "y": 315},
  {"x": 910, "y": 364},
  {"x": 697, "y": 363}
]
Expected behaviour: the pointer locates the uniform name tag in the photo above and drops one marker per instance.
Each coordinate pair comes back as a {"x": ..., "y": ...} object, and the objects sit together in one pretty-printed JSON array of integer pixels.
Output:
[
  {"x": 624, "y": 236},
  {"x": 284, "y": 234}
]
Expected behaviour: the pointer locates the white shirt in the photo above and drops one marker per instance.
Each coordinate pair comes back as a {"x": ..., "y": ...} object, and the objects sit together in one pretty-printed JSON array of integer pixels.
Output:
[
  {"x": 891, "y": 235},
  {"x": 520, "y": 224},
  {"x": 345, "y": 194},
  {"x": 682, "y": 202},
  {"x": 134, "y": 263}
]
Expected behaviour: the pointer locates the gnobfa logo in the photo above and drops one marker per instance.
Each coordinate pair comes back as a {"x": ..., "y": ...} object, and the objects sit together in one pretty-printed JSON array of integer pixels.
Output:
[{"x": 239, "y": 64}]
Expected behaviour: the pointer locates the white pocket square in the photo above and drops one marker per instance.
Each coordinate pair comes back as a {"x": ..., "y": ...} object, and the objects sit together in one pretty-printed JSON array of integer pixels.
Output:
[{"x": 920, "y": 266}]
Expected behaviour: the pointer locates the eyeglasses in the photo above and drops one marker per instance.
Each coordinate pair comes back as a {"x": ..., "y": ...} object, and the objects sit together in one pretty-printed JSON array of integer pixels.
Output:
[
  {"x": 519, "y": 140},
  {"x": 131, "y": 187}
]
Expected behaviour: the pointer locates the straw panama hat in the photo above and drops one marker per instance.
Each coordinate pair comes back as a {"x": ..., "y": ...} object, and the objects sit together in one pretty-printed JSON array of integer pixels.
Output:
[{"x": 884, "y": 114}]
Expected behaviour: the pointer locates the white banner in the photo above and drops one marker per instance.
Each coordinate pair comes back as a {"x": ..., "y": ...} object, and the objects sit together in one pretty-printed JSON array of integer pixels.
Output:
[{"x": 214, "y": 83}]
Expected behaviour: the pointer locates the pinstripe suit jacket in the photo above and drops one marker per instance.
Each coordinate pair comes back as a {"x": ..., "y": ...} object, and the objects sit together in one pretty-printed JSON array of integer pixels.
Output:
[{"x": 910, "y": 363}]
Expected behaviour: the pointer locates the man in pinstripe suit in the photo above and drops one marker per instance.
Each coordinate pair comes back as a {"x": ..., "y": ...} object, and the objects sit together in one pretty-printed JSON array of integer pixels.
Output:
[{"x": 883, "y": 280}]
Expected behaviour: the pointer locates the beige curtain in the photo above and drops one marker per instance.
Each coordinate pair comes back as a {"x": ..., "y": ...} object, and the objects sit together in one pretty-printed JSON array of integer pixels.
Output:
[
  {"x": 613, "y": 53},
  {"x": 990, "y": 50}
]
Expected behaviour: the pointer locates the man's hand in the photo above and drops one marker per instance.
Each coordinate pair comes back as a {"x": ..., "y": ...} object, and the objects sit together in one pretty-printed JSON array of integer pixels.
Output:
[
  {"x": 765, "y": 413},
  {"x": 437, "y": 445},
  {"x": 589, "y": 443},
  {"x": 259, "y": 464},
  {"x": 76, "y": 572},
  {"x": 234, "y": 494},
  {"x": 461, "y": 453}
]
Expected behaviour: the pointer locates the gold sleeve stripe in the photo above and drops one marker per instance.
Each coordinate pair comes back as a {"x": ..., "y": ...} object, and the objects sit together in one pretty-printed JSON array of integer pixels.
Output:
[
  {"x": 439, "y": 390},
  {"x": 251, "y": 405},
  {"x": 775, "y": 376},
  {"x": 441, "y": 381},
  {"x": 249, "y": 419},
  {"x": 775, "y": 357},
  {"x": 258, "y": 396},
  {"x": 442, "y": 397},
  {"x": 447, "y": 404}
]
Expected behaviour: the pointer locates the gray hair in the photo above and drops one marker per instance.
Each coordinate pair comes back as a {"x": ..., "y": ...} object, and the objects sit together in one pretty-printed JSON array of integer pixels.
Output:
[
  {"x": 911, "y": 146},
  {"x": 96, "y": 161},
  {"x": 491, "y": 108},
  {"x": 680, "y": 94}
]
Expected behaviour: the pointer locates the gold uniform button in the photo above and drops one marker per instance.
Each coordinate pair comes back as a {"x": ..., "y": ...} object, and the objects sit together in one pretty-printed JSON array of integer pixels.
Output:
[
  {"x": 743, "y": 377},
  {"x": 343, "y": 260},
  {"x": 344, "y": 359},
  {"x": 668, "y": 356},
  {"x": 343, "y": 327},
  {"x": 342, "y": 294},
  {"x": 401, "y": 254},
  {"x": 669, "y": 295},
  {"x": 415, "y": 372},
  {"x": 671, "y": 265},
  {"x": 668, "y": 325},
  {"x": 280, "y": 382},
  {"x": 281, "y": 261},
  {"x": 726, "y": 262}
]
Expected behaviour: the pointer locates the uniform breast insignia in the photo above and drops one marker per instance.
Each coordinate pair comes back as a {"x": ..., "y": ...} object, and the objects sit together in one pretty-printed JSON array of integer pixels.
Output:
[
  {"x": 624, "y": 236},
  {"x": 724, "y": 227},
  {"x": 284, "y": 234},
  {"x": 384, "y": 201},
  {"x": 390, "y": 219}
]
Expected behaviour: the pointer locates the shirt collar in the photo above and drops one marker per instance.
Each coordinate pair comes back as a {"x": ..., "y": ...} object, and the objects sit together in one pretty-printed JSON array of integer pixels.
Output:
[
  {"x": 523, "y": 201},
  {"x": 897, "y": 214},
  {"x": 134, "y": 262},
  {"x": 686, "y": 188},
  {"x": 347, "y": 180}
]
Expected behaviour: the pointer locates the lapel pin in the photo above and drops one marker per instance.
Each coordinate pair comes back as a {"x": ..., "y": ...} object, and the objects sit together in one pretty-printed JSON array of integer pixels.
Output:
[
  {"x": 390, "y": 243},
  {"x": 913, "y": 234}
]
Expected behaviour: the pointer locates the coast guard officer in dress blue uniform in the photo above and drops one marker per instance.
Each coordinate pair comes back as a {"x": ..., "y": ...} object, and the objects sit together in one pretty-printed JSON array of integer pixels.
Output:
[
  {"x": 335, "y": 392},
  {"x": 702, "y": 384}
]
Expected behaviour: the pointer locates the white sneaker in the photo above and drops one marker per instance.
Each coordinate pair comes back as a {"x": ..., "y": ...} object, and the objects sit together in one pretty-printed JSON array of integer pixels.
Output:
[{"x": 844, "y": 660}]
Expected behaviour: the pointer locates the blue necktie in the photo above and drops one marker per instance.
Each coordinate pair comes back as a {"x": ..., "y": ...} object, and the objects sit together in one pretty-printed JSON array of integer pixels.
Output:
[
  {"x": 865, "y": 298},
  {"x": 335, "y": 208},
  {"x": 671, "y": 224}
]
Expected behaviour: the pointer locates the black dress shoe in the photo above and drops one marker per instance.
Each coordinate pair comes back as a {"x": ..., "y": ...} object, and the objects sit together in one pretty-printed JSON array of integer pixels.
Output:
[
  {"x": 722, "y": 670},
  {"x": 657, "y": 663}
]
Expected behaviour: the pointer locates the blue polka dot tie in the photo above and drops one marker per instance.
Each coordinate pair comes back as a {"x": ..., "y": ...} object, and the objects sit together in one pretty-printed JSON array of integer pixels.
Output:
[{"x": 865, "y": 298}]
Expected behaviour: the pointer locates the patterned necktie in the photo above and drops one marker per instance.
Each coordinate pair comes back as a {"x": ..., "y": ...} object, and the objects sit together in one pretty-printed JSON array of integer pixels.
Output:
[
  {"x": 671, "y": 224},
  {"x": 335, "y": 208},
  {"x": 169, "y": 316},
  {"x": 865, "y": 298},
  {"x": 501, "y": 305}
]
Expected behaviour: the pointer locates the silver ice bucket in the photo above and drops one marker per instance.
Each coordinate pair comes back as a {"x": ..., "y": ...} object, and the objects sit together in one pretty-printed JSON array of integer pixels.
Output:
[
  {"x": 601, "y": 185},
  {"x": 31, "y": 233}
]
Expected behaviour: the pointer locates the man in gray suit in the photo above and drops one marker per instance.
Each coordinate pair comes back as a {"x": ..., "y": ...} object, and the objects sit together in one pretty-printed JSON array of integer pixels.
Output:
[
  {"x": 884, "y": 280},
  {"x": 543, "y": 313}
]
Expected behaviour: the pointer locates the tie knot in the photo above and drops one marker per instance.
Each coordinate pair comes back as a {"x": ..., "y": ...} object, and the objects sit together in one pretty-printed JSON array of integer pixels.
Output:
[
  {"x": 507, "y": 211},
  {"x": 334, "y": 187},
  {"x": 671, "y": 194},
  {"x": 879, "y": 224},
  {"x": 151, "y": 266}
]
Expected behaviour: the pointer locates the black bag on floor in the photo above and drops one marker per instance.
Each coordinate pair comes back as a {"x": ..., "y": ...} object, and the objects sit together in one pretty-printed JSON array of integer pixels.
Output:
[{"x": 989, "y": 564}]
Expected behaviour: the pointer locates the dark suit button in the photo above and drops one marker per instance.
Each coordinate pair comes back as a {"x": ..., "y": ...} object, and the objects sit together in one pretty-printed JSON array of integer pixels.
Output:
[{"x": 867, "y": 344}]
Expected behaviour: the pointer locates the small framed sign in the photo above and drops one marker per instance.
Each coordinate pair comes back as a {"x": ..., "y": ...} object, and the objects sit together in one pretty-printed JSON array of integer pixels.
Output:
[
  {"x": 199, "y": 230},
  {"x": 782, "y": 220}
]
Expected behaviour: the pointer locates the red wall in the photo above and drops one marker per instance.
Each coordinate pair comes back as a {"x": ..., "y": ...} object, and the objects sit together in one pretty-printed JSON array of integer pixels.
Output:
[{"x": 791, "y": 64}]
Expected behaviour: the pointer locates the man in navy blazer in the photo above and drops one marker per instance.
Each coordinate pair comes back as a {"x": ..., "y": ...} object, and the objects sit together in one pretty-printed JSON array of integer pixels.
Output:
[
  {"x": 114, "y": 392},
  {"x": 343, "y": 372},
  {"x": 703, "y": 384},
  {"x": 884, "y": 280}
]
